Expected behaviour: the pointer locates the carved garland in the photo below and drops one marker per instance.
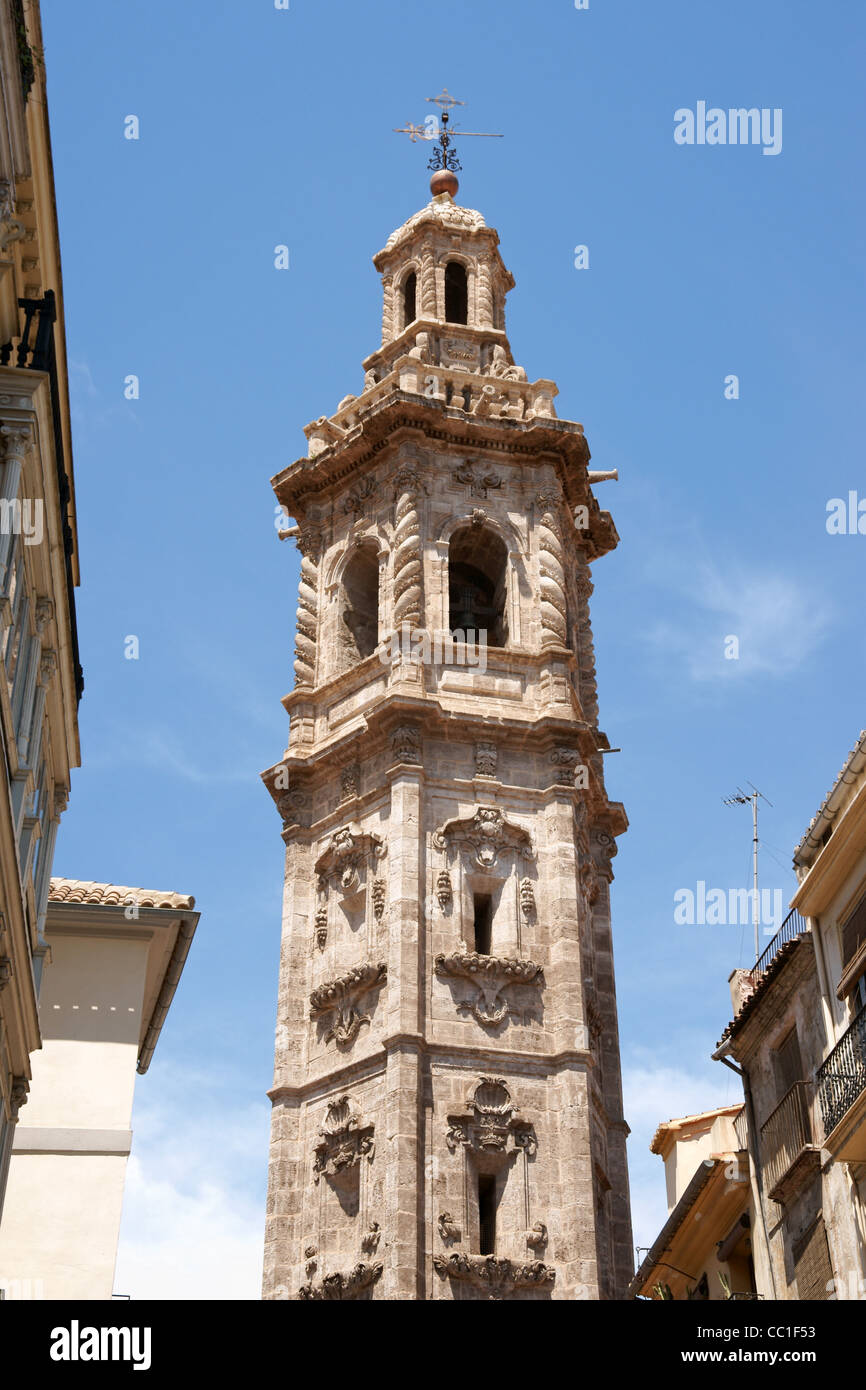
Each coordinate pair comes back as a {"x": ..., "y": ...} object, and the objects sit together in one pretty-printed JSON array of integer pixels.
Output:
[{"x": 486, "y": 834}]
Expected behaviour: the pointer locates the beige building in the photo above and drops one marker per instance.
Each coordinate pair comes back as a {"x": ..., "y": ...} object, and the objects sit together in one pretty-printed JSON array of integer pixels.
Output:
[
  {"x": 798, "y": 1040},
  {"x": 116, "y": 955},
  {"x": 447, "y": 1112},
  {"x": 40, "y": 674},
  {"x": 704, "y": 1249}
]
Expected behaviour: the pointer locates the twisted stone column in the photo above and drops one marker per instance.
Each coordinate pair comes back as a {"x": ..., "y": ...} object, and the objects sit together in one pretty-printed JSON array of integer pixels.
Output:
[
  {"x": 309, "y": 544},
  {"x": 387, "y": 308},
  {"x": 585, "y": 646},
  {"x": 407, "y": 550},
  {"x": 428, "y": 285},
  {"x": 484, "y": 296},
  {"x": 552, "y": 581}
]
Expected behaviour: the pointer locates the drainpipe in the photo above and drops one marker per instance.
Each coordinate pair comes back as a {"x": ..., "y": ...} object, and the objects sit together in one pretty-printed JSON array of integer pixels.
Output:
[{"x": 753, "y": 1151}]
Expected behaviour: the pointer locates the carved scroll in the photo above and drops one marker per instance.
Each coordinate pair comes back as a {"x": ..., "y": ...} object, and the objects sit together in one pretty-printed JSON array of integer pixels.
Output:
[
  {"x": 553, "y": 607},
  {"x": 345, "y": 1140}
]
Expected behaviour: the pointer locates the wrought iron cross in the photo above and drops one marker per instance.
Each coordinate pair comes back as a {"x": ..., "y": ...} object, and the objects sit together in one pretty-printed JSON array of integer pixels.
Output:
[{"x": 444, "y": 157}]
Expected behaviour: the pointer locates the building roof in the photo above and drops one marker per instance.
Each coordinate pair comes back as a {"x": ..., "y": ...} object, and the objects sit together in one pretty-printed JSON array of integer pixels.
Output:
[
  {"x": 673, "y": 1126},
  {"x": 833, "y": 803},
  {"x": 441, "y": 209},
  {"x": 74, "y": 890},
  {"x": 72, "y": 902},
  {"x": 777, "y": 964},
  {"x": 705, "y": 1170}
]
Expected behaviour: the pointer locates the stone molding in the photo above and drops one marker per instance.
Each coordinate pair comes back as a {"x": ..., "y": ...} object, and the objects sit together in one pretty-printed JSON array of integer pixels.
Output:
[
  {"x": 498, "y": 1277},
  {"x": 342, "y": 1287}
]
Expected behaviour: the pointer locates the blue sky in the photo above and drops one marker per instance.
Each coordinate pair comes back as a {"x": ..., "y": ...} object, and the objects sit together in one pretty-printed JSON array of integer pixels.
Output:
[{"x": 261, "y": 127}]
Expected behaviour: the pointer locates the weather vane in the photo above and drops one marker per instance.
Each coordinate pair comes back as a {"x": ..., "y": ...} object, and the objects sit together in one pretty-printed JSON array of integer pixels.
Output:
[{"x": 444, "y": 158}]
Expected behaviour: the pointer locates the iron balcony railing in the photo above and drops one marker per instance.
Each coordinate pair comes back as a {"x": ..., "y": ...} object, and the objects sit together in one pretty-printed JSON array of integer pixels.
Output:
[
  {"x": 842, "y": 1075},
  {"x": 786, "y": 1133},
  {"x": 792, "y": 927}
]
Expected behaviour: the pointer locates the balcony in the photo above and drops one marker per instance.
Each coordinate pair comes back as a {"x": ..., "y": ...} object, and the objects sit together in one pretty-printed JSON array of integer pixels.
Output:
[
  {"x": 841, "y": 1084},
  {"x": 792, "y": 927},
  {"x": 789, "y": 1154}
]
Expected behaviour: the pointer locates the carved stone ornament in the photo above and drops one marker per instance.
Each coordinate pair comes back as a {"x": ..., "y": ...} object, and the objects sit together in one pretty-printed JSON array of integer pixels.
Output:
[
  {"x": 491, "y": 975},
  {"x": 444, "y": 891},
  {"x": 486, "y": 756},
  {"x": 343, "y": 1286},
  {"x": 566, "y": 760},
  {"x": 345, "y": 1140},
  {"x": 378, "y": 898},
  {"x": 476, "y": 482},
  {"x": 589, "y": 880},
  {"x": 347, "y": 853},
  {"x": 498, "y": 1277},
  {"x": 370, "y": 1240},
  {"x": 350, "y": 781},
  {"x": 406, "y": 743},
  {"x": 321, "y": 927},
  {"x": 5, "y": 972},
  {"x": 536, "y": 1239},
  {"x": 527, "y": 900},
  {"x": 294, "y": 806},
  {"x": 485, "y": 835},
  {"x": 493, "y": 1125},
  {"x": 340, "y": 999},
  {"x": 448, "y": 1229}
]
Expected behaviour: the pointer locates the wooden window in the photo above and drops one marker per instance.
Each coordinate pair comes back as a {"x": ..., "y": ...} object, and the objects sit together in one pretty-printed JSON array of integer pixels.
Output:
[
  {"x": 854, "y": 933},
  {"x": 812, "y": 1268}
]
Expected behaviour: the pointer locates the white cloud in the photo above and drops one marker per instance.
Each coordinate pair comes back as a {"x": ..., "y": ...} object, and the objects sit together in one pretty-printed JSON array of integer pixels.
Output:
[
  {"x": 193, "y": 1213},
  {"x": 776, "y": 619}
]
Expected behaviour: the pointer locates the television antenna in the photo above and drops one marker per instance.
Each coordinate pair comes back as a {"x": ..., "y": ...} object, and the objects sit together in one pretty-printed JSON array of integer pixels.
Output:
[{"x": 742, "y": 798}]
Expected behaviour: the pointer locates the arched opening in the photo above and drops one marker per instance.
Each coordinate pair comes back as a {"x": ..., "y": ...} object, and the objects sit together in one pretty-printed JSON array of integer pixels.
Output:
[
  {"x": 477, "y": 568},
  {"x": 359, "y": 617},
  {"x": 456, "y": 293},
  {"x": 410, "y": 288}
]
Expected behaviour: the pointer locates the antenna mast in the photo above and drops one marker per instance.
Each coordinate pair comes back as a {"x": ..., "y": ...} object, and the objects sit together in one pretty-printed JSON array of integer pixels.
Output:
[{"x": 743, "y": 799}]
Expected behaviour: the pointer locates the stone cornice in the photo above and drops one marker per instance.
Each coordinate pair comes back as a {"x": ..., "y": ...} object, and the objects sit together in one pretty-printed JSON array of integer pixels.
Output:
[{"x": 477, "y": 1056}]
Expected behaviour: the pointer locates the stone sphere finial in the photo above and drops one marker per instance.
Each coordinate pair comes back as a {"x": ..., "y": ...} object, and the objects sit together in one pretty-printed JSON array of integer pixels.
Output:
[{"x": 444, "y": 181}]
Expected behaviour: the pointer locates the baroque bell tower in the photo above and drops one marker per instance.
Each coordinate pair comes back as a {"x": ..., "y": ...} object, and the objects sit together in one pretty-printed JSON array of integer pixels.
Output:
[{"x": 447, "y": 1109}]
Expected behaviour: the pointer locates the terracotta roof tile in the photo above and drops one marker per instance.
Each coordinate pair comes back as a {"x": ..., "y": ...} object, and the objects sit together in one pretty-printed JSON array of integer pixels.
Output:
[{"x": 73, "y": 890}]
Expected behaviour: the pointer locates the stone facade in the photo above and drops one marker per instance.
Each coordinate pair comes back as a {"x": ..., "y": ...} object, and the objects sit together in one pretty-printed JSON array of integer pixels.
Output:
[{"x": 447, "y": 1112}]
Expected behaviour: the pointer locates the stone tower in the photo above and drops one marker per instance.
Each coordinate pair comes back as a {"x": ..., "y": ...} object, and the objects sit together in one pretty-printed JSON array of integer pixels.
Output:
[{"x": 447, "y": 1110}]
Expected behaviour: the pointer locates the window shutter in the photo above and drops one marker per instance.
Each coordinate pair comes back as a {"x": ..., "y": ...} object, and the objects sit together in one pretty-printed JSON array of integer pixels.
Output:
[
  {"x": 854, "y": 933},
  {"x": 812, "y": 1268}
]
